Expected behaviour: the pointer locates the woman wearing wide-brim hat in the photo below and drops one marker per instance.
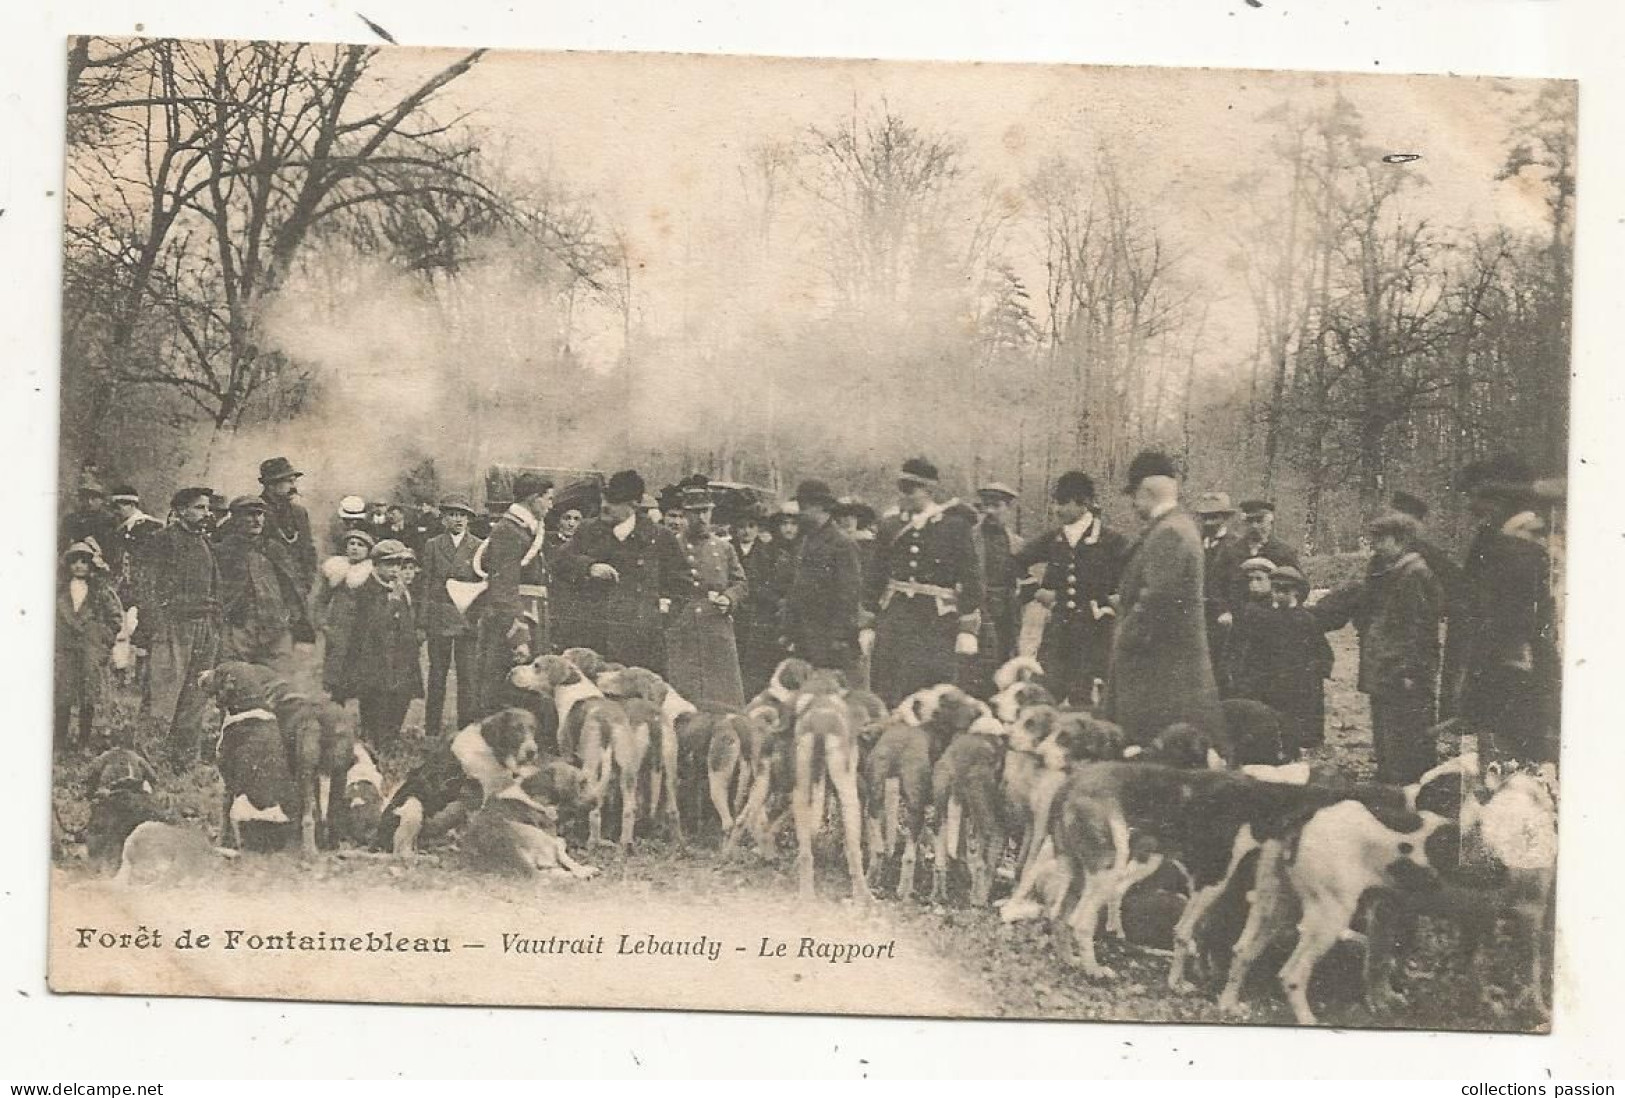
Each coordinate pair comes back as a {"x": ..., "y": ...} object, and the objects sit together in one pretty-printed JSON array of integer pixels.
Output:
[{"x": 88, "y": 618}]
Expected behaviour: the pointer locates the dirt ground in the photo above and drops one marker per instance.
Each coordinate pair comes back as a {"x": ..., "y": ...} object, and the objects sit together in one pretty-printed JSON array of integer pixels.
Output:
[{"x": 953, "y": 961}]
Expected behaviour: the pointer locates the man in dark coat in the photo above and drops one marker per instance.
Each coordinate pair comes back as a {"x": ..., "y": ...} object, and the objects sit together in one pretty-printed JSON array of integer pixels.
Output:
[
  {"x": 1225, "y": 580},
  {"x": 264, "y": 607},
  {"x": 1395, "y": 608},
  {"x": 1161, "y": 672},
  {"x": 1221, "y": 551},
  {"x": 134, "y": 527},
  {"x": 178, "y": 590},
  {"x": 925, "y": 598},
  {"x": 997, "y": 547},
  {"x": 91, "y": 523},
  {"x": 449, "y": 556},
  {"x": 1082, "y": 561},
  {"x": 756, "y": 620},
  {"x": 823, "y": 605},
  {"x": 511, "y": 614},
  {"x": 1445, "y": 570},
  {"x": 626, "y": 571},
  {"x": 382, "y": 671},
  {"x": 702, "y": 658},
  {"x": 1502, "y": 674},
  {"x": 286, "y": 521}
]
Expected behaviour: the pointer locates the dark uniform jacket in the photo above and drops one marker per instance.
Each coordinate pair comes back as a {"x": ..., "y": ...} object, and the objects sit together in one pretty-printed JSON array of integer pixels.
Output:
[
  {"x": 937, "y": 549},
  {"x": 443, "y": 560},
  {"x": 515, "y": 586},
  {"x": 127, "y": 542},
  {"x": 822, "y": 608},
  {"x": 1079, "y": 574},
  {"x": 177, "y": 579}
]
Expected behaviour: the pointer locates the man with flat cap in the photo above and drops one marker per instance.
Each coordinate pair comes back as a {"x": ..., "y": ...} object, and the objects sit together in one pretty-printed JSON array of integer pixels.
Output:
[
  {"x": 177, "y": 581},
  {"x": 287, "y": 523},
  {"x": 702, "y": 658},
  {"x": 511, "y": 614},
  {"x": 1161, "y": 673},
  {"x": 448, "y": 581},
  {"x": 823, "y": 605},
  {"x": 626, "y": 571},
  {"x": 263, "y": 604},
  {"x": 997, "y": 547},
  {"x": 1082, "y": 560},
  {"x": 923, "y": 604}
]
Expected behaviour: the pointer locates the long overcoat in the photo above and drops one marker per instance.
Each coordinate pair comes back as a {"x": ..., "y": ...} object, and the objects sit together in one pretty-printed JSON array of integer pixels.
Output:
[
  {"x": 702, "y": 658},
  {"x": 621, "y": 618},
  {"x": 383, "y": 649},
  {"x": 1161, "y": 673},
  {"x": 825, "y": 600},
  {"x": 84, "y": 641}
]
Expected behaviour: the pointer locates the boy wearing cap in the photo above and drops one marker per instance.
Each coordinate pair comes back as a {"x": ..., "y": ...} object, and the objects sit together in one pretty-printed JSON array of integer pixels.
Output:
[
  {"x": 1082, "y": 560},
  {"x": 177, "y": 582},
  {"x": 449, "y": 556},
  {"x": 1161, "y": 673},
  {"x": 1300, "y": 661},
  {"x": 1249, "y": 648},
  {"x": 702, "y": 658},
  {"x": 88, "y": 618},
  {"x": 925, "y": 599},
  {"x": 381, "y": 669},
  {"x": 262, "y": 603},
  {"x": 822, "y": 607},
  {"x": 626, "y": 571},
  {"x": 1395, "y": 609}
]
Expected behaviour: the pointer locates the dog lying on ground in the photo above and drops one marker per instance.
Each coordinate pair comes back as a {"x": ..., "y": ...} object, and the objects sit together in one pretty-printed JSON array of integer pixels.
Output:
[
  {"x": 261, "y": 796},
  {"x": 456, "y": 779},
  {"x": 122, "y": 788},
  {"x": 321, "y": 752},
  {"x": 826, "y": 750},
  {"x": 161, "y": 853},
  {"x": 897, "y": 774},
  {"x": 595, "y": 732},
  {"x": 515, "y": 833}
]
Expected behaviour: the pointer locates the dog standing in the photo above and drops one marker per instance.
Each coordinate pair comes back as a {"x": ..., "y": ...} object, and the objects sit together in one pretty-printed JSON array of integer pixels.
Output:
[
  {"x": 965, "y": 784},
  {"x": 321, "y": 753},
  {"x": 826, "y": 749},
  {"x": 252, "y": 758}
]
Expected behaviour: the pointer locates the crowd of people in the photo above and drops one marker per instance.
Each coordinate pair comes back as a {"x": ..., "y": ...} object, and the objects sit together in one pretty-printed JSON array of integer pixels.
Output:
[{"x": 1152, "y": 626}]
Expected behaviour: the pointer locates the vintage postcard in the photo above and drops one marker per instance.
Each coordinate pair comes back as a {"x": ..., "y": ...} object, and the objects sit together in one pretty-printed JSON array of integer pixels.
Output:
[{"x": 721, "y": 533}]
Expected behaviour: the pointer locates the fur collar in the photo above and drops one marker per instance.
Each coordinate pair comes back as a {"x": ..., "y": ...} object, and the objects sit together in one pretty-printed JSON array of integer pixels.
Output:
[
  {"x": 933, "y": 513},
  {"x": 246, "y": 715},
  {"x": 1525, "y": 525}
]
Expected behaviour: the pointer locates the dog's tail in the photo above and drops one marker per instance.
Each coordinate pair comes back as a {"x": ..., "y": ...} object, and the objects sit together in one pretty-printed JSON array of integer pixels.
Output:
[
  {"x": 893, "y": 811},
  {"x": 1019, "y": 669}
]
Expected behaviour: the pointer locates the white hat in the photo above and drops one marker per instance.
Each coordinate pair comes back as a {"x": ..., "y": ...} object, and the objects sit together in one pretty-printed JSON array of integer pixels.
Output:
[{"x": 352, "y": 507}]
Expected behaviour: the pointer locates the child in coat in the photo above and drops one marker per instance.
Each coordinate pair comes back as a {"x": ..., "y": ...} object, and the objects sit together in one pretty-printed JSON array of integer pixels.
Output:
[
  {"x": 1300, "y": 662},
  {"x": 1247, "y": 656},
  {"x": 88, "y": 619},
  {"x": 381, "y": 668},
  {"x": 342, "y": 578}
]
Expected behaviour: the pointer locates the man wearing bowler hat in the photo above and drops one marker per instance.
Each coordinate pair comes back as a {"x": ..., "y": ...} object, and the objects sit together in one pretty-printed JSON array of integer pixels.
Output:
[
  {"x": 923, "y": 604},
  {"x": 1161, "y": 673},
  {"x": 512, "y": 611},
  {"x": 626, "y": 571},
  {"x": 287, "y": 523},
  {"x": 702, "y": 658},
  {"x": 449, "y": 556},
  {"x": 823, "y": 605}
]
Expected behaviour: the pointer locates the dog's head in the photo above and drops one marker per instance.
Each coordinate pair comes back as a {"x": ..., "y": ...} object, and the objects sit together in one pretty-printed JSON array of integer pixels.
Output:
[
  {"x": 768, "y": 716},
  {"x": 789, "y": 677},
  {"x": 237, "y": 686},
  {"x": 1180, "y": 744},
  {"x": 562, "y": 785},
  {"x": 634, "y": 682},
  {"x": 1009, "y": 703},
  {"x": 921, "y": 706},
  {"x": 545, "y": 674},
  {"x": 586, "y": 660},
  {"x": 121, "y": 769},
  {"x": 956, "y": 711},
  {"x": 510, "y": 734},
  {"x": 1035, "y": 725},
  {"x": 1080, "y": 737},
  {"x": 1256, "y": 733}
]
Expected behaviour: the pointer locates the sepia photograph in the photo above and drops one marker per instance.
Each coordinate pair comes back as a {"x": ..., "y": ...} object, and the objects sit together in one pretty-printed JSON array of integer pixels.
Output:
[{"x": 811, "y": 536}]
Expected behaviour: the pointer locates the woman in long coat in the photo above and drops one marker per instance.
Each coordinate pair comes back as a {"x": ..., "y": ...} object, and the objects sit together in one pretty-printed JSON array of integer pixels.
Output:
[
  {"x": 1161, "y": 673},
  {"x": 702, "y": 658},
  {"x": 342, "y": 578},
  {"x": 88, "y": 618}
]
